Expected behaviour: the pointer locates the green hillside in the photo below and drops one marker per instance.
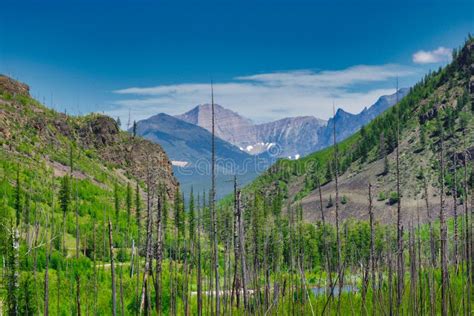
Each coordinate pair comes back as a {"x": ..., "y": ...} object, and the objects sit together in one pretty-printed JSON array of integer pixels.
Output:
[
  {"x": 53, "y": 167},
  {"x": 93, "y": 221},
  {"x": 442, "y": 97}
]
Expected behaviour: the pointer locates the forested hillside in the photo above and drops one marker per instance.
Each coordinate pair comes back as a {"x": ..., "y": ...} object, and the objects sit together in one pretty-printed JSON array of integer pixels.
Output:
[
  {"x": 93, "y": 221},
  {"x": 441, "y": 101},
  {"x": 62, "y": 180}
]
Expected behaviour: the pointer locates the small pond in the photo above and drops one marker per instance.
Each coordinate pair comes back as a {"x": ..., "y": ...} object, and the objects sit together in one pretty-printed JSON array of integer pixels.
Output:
[{"x": 345, "y": 289}]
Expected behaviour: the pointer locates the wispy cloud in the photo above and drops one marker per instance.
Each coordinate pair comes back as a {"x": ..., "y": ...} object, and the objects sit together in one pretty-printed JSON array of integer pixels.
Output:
[
  {"x": 270, "y": 96},
  {"x": 439, "y": 55}
]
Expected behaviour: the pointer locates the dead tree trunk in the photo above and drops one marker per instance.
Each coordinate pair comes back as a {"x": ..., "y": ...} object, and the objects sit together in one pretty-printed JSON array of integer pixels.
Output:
[
  {"x": 443, "y": 234},
  {"x": 455, "y": 208},
  {"x": 147, "y": 246},
  {"x": 243, "y": 267},
  {"x": 413, "y": 275},
  {"x": 467, "y": 232},
  {"x": 430, "y": 223},
  {"x": 122, "y": 307},
  {"x": 199, "y": 263},
  {"x": 159, "y": 254},
  {"x": 431, "y": 281},
  {"x": 213, "y": 207},
  {"x": 338, "y": 238},
  {"x": 235, "y": 282},
  {"x": 48, "y": 246},
  {"x": 400, "y": 265},
  {"x": 78, "y": 278},
  {"x": 94, "y": 249},
  {"x": 390, "y": 276},
  {"x": 112, "y": 269},
  {"x": 372, "y": 250},
  {"x": 327, "y": 256}
]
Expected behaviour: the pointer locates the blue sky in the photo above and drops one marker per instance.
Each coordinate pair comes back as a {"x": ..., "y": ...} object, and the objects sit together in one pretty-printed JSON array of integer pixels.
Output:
[{"x": 268, "y": 59}]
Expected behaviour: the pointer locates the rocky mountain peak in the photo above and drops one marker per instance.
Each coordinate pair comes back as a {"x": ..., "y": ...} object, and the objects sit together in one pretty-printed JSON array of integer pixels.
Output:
[{"x": 230, "y": 126}]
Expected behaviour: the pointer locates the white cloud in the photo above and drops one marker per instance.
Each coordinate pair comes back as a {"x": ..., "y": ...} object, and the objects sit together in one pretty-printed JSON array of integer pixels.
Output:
[
  {"x": 439, "y": 55},
  {"x": 269, "y": 96}
]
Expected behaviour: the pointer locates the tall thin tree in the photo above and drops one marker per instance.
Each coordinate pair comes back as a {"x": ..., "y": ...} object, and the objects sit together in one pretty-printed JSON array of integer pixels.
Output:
[
  {"x": 213, "y": 203},
  {"x": 443, "y": 230},
  {"x": 400, "y": 265},
  {"x": 112, "y": 269},
  {"x": 338, "y": 238}
]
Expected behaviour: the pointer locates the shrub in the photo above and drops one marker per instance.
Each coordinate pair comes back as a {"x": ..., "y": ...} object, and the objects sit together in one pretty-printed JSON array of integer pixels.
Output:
[
  {"x": 393, "y": 198},
  {"x": 382, "y": 196}
]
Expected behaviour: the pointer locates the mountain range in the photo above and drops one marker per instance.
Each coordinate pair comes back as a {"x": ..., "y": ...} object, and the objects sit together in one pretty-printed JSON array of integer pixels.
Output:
[
  {"x": 290, "y": 137},
  {"x": 244, "y": 148},
  {"x": 189, "y": 148}
]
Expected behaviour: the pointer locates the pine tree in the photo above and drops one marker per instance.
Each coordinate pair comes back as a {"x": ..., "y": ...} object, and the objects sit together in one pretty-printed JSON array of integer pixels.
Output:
[{"x": 134, "y": 129}]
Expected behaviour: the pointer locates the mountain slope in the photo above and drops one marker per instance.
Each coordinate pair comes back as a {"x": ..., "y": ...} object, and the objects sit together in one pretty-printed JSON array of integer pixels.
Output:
[
  {"x": 30, "y": 129},
  {"x": 445, "y": 96},
  {"x": 189, "y": 147},
  {"x": 184, "y": 141},
  {"x": 292, "y": 136},
  {"x": 63, "y": 181}
]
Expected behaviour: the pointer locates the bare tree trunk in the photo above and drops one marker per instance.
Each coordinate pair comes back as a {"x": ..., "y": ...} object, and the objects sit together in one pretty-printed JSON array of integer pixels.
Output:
[
  {"x": 78, "y": 280},
  {"x": 413, "y": 274},
  {"x": 213, "y": 207},
  {"x": 455, "y": 208},
  {"x": 48, "y": 246},
  {"x": 35, "y": 254},
  {"x": 467, "y": 231},
  {"x": 443, "y": 235},
  {"x": 159, "y": 254},
  {"x": 243, "y": 267},
  {"x": 199, "y": 267},
  {"x": 122, "y": 307},
  {"x": 390, "y": 276},
  {"x": 372, "y": 250},
  {"x": 95, "y": 267},
  {"x": 400, "y": 265},
  {"x": 430, "y": 223},
  {"x": 431, "y": 281},
  {"x": 148, "y": 246},
  {"x": 327, "y": 256},
  {"x": 338, "y": 238},
  {"x": 236, "y": 282},
  {"x": 112, "y": 269}
]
